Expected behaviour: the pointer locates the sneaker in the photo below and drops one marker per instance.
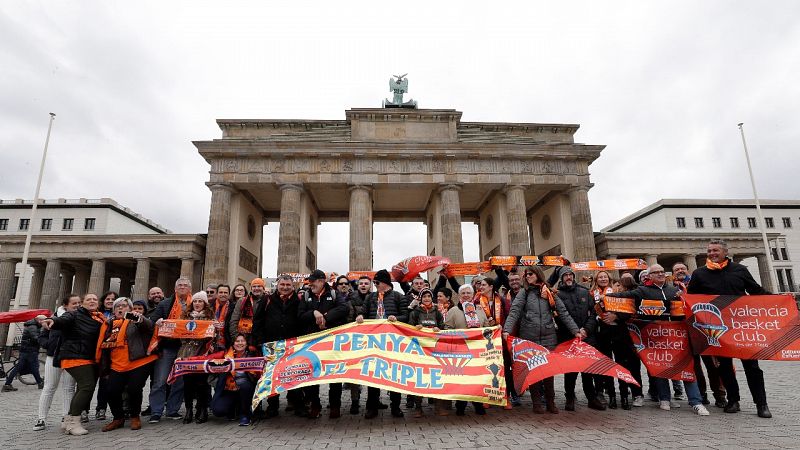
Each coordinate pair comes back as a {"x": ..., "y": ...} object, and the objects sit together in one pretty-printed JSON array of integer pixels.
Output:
[
  {"x": 700, "y": 410},
  {"x": 8, "y": 388},
  {"x": 244, "y": 422},
  {"x": 638, "y": 401},
  {"x": 674, "y": 404},
  {"x": 678, "y": 396},
  {"x": 85, "y": 417},
  {"x": 39, "y": 425},
  {"x": 664, "y": 405},
  {"x": 100, "y": 414},
  {"x": 155, "y": 418},
  {"x": 174, "y": 416}
]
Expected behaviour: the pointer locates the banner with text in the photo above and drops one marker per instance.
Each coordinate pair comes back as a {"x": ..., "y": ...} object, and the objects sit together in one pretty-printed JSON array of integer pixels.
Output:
[
  {"x": 533, "y": 363},
  {"x": 451, "y": 364},
  {"x": 744, "y": 327},
  {"x": 214, "y": 366},
  {"x": 663, "y": 347},
  {"x": 182, "y": 329}
]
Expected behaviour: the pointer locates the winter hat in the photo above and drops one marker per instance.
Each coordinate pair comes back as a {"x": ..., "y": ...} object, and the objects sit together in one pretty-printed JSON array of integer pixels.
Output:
[
  {"x": 383, "y": 276},
  {"x": 141, "y": 303},
  {"x": 317, "y": 275},
  {"x": 258, "y": 282},
  {"x": 426, "y": 291},
  {"x": 201, "y": 295}
]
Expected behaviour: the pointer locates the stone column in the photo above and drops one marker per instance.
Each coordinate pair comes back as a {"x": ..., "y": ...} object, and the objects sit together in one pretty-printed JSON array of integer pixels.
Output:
[
  {"x": 140, "y": 284},
  {"x": 690, "y": 261},
  {"x": 360, "y": 227},
  {"x": 97, "y": 280},
  {"x": 452, "y": 243},
  {"x": 187, "y": 268},
  {"x": 66, "y": 282},
  {"x": 289, "y": 250},
  {"x": 651, "y": 259},
  {"x": 162, "y": 280},
  {"x": 37, "y": 282},
  {"x": 81, "y": 284},
  {"x": 582, "y": 234},
  {"x": 764, "y": 273},
  {"x": 7, "y": 267},
  {"x": 517, "y": 221},
  {"x": 52, "y": 284},
  {"x": 219, "y": 233}
]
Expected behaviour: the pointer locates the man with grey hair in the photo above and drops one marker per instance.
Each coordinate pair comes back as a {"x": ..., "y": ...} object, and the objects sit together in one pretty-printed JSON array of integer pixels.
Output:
[
  {"x": 722, "y": 276},
  {"x": 170, "y": 308}
]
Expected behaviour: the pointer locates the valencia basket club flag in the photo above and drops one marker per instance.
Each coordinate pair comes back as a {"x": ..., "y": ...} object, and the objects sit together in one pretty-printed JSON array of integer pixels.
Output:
[
  {"x": 451, "y": 364},
  {"x": 182, "y": 329},
  {"x": 214, "y": 366},
  {"x": 533, "y": 363},
  {"x": 744, "y": 327},
  {"x": 664, "y": 348}
]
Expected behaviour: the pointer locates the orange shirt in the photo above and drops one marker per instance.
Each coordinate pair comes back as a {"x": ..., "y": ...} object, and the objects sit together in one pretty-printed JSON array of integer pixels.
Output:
[{"x": 70, "y": 363}]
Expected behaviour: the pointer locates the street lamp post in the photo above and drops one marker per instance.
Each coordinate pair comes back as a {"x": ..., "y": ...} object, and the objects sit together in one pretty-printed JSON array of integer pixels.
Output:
[
  {"x": 28, "y": 235},
  {"x": 761, "y": 225}
]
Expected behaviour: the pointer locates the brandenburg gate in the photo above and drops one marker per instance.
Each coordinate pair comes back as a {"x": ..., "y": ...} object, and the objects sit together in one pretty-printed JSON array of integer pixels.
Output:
[{"x": 524, "y": 184}]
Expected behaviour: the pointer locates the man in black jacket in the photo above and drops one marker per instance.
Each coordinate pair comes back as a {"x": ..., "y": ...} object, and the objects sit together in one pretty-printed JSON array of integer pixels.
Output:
[
  {"x": 358, "y": 297},
  {"x": 388, "y": 304},
  {"x": 581, "y": 309},
  {"x": 275, "y": 319},
  {"x": 28, "y": 356},
  {"x": 321, "y": 308},
  {"x": 721, "y": 276}
]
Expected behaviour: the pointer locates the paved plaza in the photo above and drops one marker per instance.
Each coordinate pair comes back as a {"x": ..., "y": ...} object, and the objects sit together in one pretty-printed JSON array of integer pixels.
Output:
[{"x": 646, "y": 427}]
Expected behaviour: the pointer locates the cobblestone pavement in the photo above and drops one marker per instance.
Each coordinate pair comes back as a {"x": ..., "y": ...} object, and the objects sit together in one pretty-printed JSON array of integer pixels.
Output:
[{"x": 645, "y": 427}]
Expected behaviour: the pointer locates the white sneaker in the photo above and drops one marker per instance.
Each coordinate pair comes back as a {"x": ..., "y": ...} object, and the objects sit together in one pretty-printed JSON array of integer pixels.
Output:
[
  {"x": 638, "y": 401},
  {"x": 674, "y": 404},
  {"x": 664, "y": 404},
  {"x": 700, "y": 410},
  {"x": 39, "y": 425}
]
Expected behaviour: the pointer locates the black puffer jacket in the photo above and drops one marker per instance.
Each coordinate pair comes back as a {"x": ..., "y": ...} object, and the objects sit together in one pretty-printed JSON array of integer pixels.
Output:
[
  {"x": 333, "y": 305},
  {"x": 580, "y": 305},
  {"x": 733, "y": 279},
  {"x": 394, "y": 304},
  {"x": 79, "y": 333},
  {"x": 274, "y": 319},
  {"x": 30, "y": 337},
  {"x": 357, "y": 301}
]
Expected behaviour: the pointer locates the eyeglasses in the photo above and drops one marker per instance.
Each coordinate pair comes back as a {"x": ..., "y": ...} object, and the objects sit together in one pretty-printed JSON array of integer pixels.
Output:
[
  {"x": 527, "y": 274},
  {"x": 342, "y": 284}
]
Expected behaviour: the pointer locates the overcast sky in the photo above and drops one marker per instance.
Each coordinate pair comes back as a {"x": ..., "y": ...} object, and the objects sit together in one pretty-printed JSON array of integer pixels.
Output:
[{"x": 662, "y": 84}]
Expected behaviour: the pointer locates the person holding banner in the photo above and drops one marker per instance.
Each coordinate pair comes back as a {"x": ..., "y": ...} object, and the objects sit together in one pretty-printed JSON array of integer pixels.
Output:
[
  {"x": 613, "y": 339},
  {"x": 358, "y": 297},
  {"x": 79, "y": 331},
  {"x": 170, "y": 308},
  {"x": 384, "y": 303},
  {"x": 462, "y": 316},
  {"x": 234, "y": 391},
  {"x": 195, "y": 386},
  {"x": 533, "y": 318},
  {"x": 122, "y": 357},
  {"x": 512, "y": 281},
  {"x": 241, "y": 320},
  {"x": 321, "y": 308},
  {"x": 653, "y": 301},
  {"x": 277, "y": 319},
  {"x": 222, "y": 314},
  {"x": 722, "y": 276},
  {"x": 425, "y": 315},
  {"x": 581, "y": 310}
]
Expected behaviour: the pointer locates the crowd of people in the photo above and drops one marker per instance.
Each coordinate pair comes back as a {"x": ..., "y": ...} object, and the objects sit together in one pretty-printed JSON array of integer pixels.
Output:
[{"x": 89, "y": 339}]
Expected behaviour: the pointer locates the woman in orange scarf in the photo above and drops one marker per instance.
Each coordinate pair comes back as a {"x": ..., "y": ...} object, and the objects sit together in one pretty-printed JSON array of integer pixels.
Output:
[
  {"x": 195, "y": 386},
  {"x": 122, "y": 355},
  {"x": 79, "y": 331},
  {"x": 234, "y": 391}
]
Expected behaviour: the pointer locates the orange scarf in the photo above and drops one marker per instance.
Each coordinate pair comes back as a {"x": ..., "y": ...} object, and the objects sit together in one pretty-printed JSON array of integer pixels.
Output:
[
  {"x": 493, "y": 309},
  {"x": 219, "y": 323},
  {"x": 98, "y": 316},
  {"x": 117, "y": 335},
  {"x": 711, "y": 265},
  {"x": 547, "y": 294},
  {"x": 177, "y": 309},
  {"x": 230, "y": 380}
]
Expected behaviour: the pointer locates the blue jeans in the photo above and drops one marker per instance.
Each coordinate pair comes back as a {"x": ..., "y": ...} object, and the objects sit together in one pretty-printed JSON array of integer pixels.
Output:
[
  {"x": 228, "y": 403},
  {"x": 158, "y": 385},
  {"x": 28, "y": 364},
  {"x": 664, "y": 393}
]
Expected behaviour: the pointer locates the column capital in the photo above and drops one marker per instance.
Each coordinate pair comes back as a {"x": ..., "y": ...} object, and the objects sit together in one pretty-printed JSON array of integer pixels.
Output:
[
  {"x": 221, "y": 186},
  {"x": 55, "y": 260},
  {"x": 580, "y": 187},
  {"x": 449, "y": 187},
  {"x": 513, "y": 187},
  {"x": 291, "y": 187},
  {"x": 142, "y": 258},
  {"x": 359, "y": 186}
]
